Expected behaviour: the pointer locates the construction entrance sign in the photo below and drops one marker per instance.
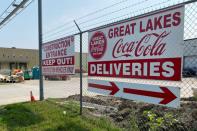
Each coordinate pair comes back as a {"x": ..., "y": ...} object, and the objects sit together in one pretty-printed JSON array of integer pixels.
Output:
[
  {"x": 143, "y": 47},
  {"x": 58, "y": 57}
]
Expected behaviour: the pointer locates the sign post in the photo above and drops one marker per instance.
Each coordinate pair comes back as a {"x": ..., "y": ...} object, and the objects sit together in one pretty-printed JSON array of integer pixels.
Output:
[
  {"x": 81, "y": 67},
  {"x": 40, "y": 47}
]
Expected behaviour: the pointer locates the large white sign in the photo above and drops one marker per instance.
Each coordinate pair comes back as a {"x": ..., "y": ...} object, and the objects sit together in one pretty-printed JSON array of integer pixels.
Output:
[
  {"x": 147, "y": 47},
  {"x": 162, "y": 95},
  {"x": 58, "y": 57}
]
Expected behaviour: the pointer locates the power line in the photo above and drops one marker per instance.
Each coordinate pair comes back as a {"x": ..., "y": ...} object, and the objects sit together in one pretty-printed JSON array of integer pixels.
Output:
[
  {"x": 18, "y": 8},
  {"x": 6, "y": 10}
]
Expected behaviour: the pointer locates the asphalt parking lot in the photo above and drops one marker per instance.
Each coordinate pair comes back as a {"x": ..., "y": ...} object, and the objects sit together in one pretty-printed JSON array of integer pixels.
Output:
[{"x": 19, "y": 92}]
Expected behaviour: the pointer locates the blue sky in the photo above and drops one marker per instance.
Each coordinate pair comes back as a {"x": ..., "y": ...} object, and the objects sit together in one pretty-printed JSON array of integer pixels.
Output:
[{"x": 22, "y": 31}]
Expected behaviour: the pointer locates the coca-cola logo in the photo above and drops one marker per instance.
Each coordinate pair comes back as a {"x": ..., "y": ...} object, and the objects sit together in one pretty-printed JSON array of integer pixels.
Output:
[
  {"x": 152, "y": 44},
  {"x": 97, "y": 45}
]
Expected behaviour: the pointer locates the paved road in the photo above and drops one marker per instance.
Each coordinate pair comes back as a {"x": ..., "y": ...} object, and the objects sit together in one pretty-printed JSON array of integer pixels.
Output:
[{"x": 19, "y": 92}]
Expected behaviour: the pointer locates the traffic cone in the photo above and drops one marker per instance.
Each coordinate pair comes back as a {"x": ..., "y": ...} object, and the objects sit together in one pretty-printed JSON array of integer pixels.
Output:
[{"x": 32, "y": 97}]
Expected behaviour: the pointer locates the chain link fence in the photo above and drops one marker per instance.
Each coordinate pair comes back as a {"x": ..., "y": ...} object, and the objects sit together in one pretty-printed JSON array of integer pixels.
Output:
[
  {"x": 128, "y": 114},
  {"x": 132, "y": 115}
]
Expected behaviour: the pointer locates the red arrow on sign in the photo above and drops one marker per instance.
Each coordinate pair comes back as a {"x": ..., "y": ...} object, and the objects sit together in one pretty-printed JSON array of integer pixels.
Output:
[
  {"x": 167, "y": 95},
  {"x": 113, "y": 88}
]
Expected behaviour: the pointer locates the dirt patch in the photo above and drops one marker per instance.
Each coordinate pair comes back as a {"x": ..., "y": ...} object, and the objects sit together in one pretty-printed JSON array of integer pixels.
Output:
[{"x": 129, "y": 114}]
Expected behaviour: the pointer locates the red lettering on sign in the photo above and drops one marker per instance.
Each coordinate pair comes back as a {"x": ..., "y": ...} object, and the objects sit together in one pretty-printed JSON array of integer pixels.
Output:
[
  {"x": 163, "y": 68},
  {"x": 151, "y": 44}
]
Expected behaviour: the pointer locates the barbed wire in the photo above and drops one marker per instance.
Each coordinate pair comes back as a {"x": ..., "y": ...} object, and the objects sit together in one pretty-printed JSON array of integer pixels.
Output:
[
  {"x": 110, "y": 20},
  {"x": 60, "y": 31},
  {"x": 59, "y": 27},
  {"x": 63, "y": 30},
  {"x": 107, "y": 14},
  {"x": 59, "y": 36},
  {"x": 100, "y": 10},
  {"x": 127, "y": 14},
  {"x": 148, "y": 9},
  {"x": 85, "y": 16}
]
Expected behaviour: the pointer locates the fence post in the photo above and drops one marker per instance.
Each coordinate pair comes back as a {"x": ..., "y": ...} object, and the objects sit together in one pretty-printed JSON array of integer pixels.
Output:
[
  {"x": 81, "y": 69},
  {"x": 40, "y": 47}
]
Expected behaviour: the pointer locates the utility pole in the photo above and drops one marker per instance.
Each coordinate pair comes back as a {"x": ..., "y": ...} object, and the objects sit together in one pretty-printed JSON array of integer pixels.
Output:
[{"x": 40, "y": 47}]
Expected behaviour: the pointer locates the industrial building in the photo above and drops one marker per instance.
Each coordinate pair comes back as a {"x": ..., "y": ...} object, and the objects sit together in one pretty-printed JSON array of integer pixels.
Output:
[{"x": 15, "y": 58}]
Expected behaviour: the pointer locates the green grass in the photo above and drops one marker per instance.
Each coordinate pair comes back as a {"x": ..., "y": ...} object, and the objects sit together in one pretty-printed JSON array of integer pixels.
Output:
[{"x": 50, "y": 116}]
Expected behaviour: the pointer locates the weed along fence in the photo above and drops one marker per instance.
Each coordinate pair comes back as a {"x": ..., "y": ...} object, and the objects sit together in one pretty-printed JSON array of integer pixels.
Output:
[{"x": 140, "y": 72}]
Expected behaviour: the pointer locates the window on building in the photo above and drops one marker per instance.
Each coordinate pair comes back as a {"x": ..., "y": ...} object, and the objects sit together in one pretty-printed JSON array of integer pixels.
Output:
[
  {"x": 23, "y": 66},
  {"x": 13, "y": 66}
]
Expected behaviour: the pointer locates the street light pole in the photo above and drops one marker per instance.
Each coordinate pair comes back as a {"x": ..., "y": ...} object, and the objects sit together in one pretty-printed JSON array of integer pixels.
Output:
[{"x": 40, "y": 47}]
